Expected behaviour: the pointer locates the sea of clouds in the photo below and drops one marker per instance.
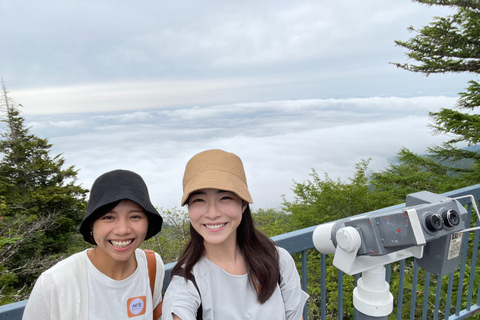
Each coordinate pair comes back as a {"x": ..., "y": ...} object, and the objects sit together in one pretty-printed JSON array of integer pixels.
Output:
[{"x": 279, "y": 141}]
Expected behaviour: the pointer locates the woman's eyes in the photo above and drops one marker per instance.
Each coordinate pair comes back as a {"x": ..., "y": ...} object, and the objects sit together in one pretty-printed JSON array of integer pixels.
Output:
[
  {"x": 203, "y": 200},
  {"x": 135, "y": 216}
]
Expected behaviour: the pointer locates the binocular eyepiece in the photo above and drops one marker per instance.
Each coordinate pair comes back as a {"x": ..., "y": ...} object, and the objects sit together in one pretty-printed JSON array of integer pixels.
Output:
[{"x": 448, "y": 218}]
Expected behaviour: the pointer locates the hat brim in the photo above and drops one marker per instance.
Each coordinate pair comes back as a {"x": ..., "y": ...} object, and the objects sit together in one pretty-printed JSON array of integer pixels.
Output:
[{"x": 216, "y": 179}]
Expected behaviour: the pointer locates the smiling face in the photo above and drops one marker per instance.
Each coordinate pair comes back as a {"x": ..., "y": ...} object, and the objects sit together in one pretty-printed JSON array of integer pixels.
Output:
[
  {"x": 215, "y": 215},
  {"x": 120, "y": 231}
]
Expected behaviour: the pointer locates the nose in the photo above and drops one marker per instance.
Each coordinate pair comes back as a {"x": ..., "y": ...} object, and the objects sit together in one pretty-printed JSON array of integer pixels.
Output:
[
  {"x": 212, "y": 211},
  {"x": 122, "y": 227}
]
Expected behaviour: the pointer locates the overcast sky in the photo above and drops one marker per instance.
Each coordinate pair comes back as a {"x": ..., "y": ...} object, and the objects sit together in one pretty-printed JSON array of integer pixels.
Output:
[{"x": 287, "y": 85}]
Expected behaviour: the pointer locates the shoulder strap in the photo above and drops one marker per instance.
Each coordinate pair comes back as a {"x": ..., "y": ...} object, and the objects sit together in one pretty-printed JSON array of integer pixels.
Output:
[
  {"x": 152, "y": 272},
  {"x": 152, "y": 268},
  {"x": 191, "y": 277}
]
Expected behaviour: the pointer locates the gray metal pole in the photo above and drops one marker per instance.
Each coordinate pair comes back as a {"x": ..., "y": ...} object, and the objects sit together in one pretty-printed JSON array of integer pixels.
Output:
[{"x": 371, "y": 297}]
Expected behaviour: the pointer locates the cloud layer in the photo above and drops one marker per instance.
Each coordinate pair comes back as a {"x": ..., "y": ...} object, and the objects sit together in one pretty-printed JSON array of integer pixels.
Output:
[{"x": 279, "y": 141}]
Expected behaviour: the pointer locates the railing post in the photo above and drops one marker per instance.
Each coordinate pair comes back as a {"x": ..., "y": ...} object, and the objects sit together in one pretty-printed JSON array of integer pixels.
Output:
[{"x": 304, "y": 282}]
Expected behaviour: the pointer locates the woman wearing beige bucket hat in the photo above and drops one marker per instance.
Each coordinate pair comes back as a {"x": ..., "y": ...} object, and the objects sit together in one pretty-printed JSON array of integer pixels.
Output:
[{"x": 229, "y": 269}]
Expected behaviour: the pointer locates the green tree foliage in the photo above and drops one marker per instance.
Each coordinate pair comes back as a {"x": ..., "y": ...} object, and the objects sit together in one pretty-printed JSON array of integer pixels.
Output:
[
  {"x": 40, "y": 205},
  {"x": 320, "y": 200},
  {"x": 272, "y": 222},
  {"x": 412, "y": 173},
  {"x": 448, "y": 44},
  {"x": 171, "y": 241},
  {"x": 451, "y": 44}
]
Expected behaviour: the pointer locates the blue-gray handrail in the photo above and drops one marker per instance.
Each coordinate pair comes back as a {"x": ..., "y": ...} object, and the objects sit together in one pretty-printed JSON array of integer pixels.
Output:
[{"x": 300, "y": 241}]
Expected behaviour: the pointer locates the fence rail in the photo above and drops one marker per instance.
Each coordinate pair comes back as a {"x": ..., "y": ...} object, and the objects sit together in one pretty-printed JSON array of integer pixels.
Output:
[{"x": 416, "y": 291}]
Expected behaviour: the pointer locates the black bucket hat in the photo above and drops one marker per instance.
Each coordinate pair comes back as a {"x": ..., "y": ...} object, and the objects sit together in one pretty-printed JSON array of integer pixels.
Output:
[{"x": 112, "y": 187}]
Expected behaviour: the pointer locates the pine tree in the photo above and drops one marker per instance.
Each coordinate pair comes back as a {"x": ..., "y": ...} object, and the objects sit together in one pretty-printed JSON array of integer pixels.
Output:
[
  {"x": 41, "y": 205},
  {"x": 412, "y": 173},
  {"x": 452, "y": 44}
]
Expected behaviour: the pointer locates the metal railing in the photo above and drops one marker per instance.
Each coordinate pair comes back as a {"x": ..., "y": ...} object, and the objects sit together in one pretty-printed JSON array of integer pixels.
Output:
[{"x": 421, "y": 296}]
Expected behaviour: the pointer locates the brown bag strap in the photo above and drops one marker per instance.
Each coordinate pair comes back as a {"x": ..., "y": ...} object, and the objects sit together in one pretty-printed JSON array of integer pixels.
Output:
[
  {"x": 152, "y": 268},
  {"x": 158, "y": 311},
  {"x": 152, "y": 271}
]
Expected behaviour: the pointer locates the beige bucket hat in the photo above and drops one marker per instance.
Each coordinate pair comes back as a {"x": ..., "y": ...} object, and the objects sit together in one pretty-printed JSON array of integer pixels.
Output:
[{"x": 215, "y": 169}]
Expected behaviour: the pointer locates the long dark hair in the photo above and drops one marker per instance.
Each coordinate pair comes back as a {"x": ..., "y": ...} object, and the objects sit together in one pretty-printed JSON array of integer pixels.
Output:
[{"x": 259, "y": 252}]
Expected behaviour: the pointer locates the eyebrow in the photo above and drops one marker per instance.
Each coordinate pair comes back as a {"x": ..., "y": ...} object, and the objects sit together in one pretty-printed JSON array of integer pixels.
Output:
[{"x": 194, "y": 193}]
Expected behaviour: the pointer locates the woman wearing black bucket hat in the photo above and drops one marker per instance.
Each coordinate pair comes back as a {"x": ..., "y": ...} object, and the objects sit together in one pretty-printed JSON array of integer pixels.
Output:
[
  {"x": 111, "y": 280},
  {"x": 229, "y": 269}
]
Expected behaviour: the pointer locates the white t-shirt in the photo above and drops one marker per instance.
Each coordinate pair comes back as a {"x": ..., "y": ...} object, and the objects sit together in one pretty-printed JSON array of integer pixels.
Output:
[
  {"x": 226, "y": 296},
  {"x": 130, "y": 298}
]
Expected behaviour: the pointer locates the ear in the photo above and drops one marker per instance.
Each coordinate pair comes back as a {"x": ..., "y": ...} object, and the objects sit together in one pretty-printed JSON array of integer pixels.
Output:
[{"x": 244, "y": 205}]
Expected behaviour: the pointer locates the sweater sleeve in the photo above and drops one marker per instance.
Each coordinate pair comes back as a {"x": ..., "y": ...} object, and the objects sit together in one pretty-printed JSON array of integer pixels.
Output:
[
  {"x": 39, "y": 305},
  {"x": 293, "y": 296},
  {"x": 60, "y": 292},
  {"x": 181, "y": 298}
]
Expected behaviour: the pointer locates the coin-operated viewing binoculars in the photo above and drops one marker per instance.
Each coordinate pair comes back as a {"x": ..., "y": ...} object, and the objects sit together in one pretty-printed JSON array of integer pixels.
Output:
[{"x": 429, "y": 228}]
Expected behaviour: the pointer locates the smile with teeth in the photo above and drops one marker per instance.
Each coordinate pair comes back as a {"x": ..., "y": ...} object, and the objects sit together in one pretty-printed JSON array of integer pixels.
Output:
[
  {"x": 214, "y": 226},
  {"x": 121, "y": 244}
]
